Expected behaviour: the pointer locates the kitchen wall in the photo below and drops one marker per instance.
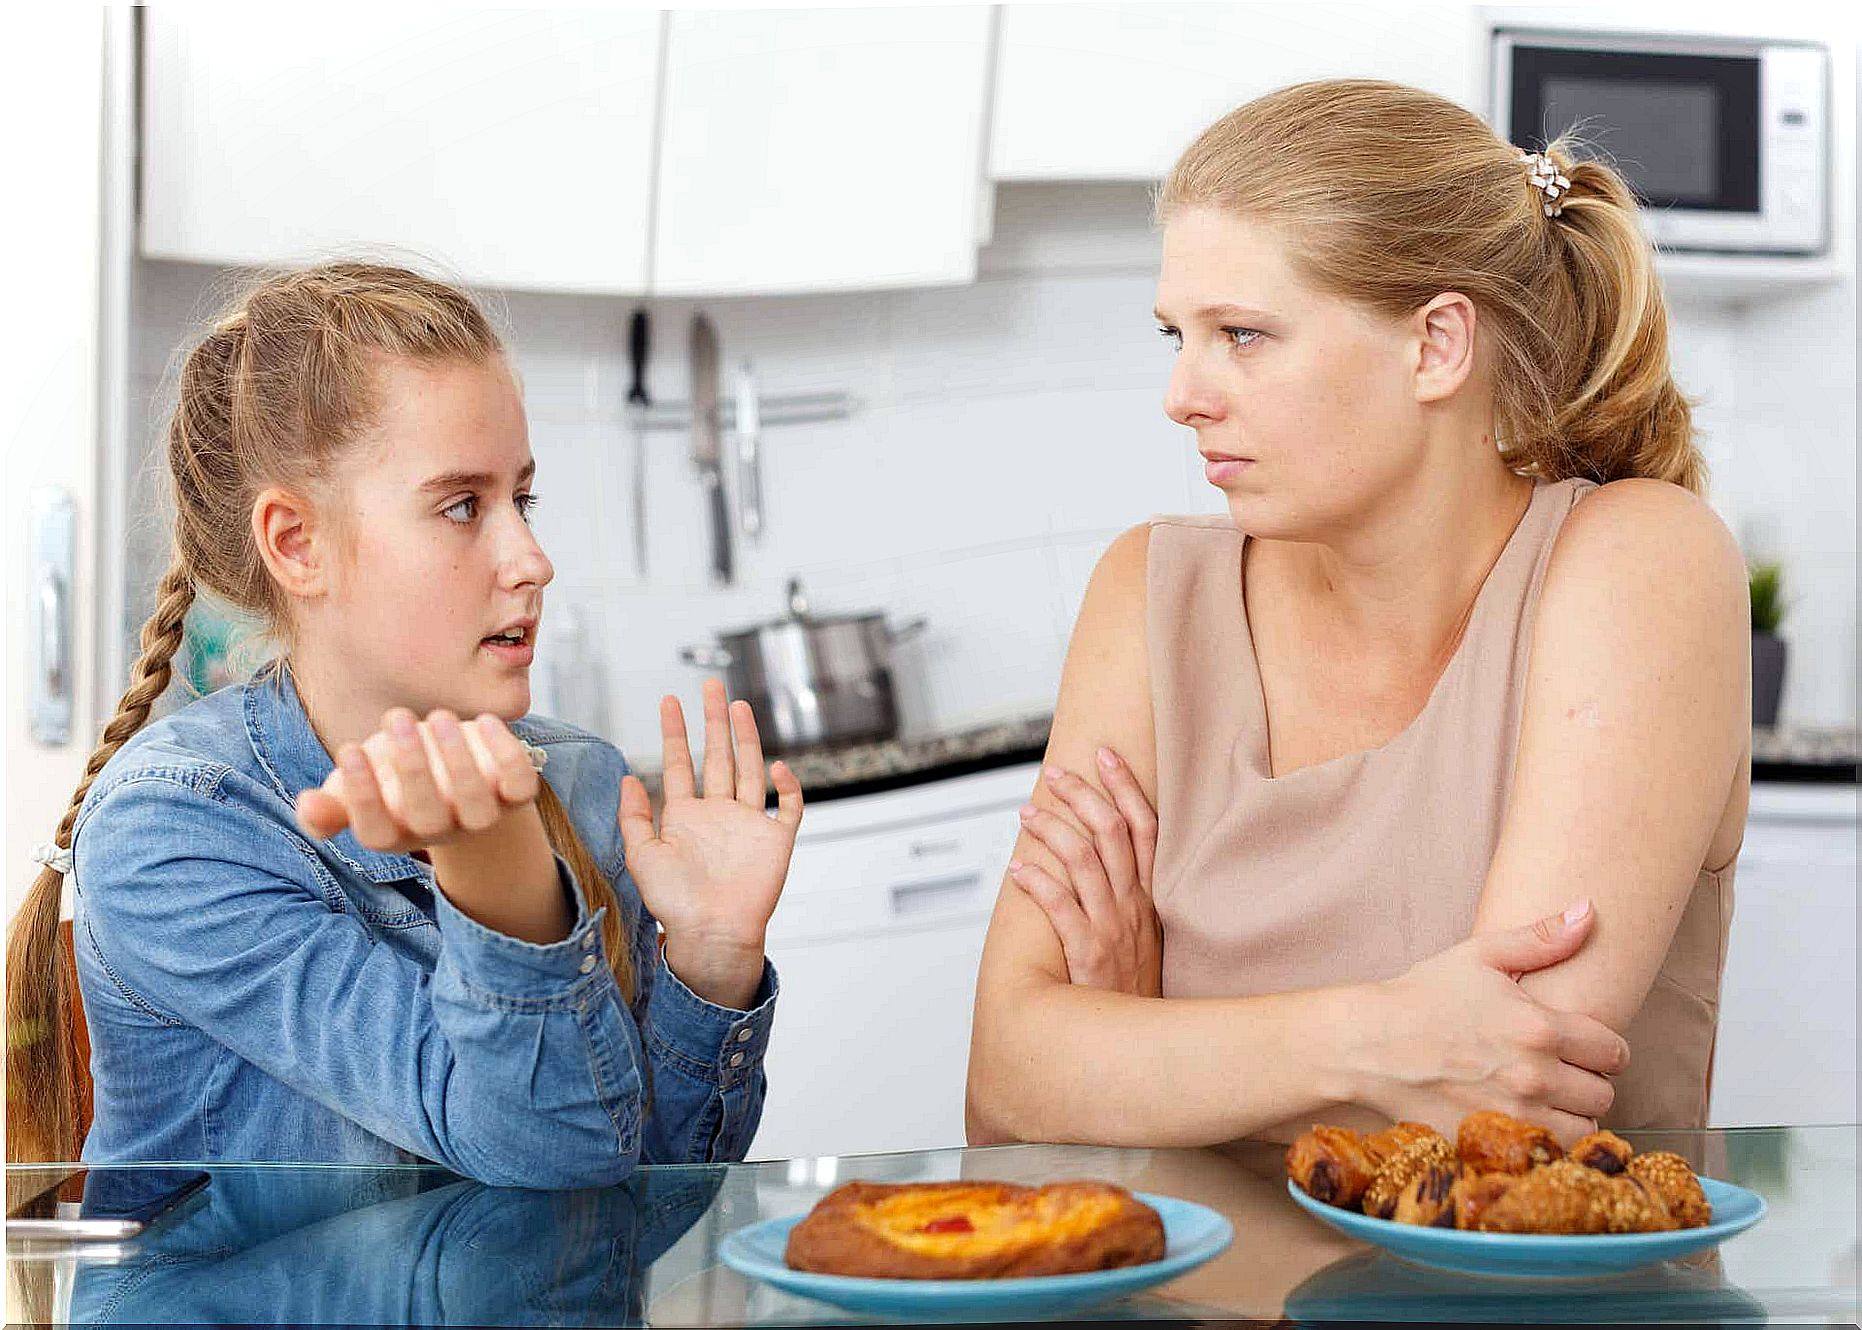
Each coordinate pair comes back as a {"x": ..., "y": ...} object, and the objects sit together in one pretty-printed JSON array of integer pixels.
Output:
[{"x": 1006, "y": 432}]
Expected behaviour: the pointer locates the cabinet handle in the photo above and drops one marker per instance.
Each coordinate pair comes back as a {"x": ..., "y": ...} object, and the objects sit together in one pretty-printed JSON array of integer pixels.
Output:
[
  {"x": 934, "y": 894},
  {"x": 53, "y": 551},
  {"x": 924, "y": 848}
]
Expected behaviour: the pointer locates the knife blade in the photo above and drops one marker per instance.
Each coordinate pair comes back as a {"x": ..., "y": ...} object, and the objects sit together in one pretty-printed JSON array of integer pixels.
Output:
[
  {"x": 638, "y": 406},
  {"x": 707, "y": 453}
]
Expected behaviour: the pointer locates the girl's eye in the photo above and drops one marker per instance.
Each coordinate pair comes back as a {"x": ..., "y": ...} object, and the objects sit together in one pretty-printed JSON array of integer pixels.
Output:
[
  {"x": 1241, "y": 336},
  {"x": 463, "y": 511},
  {"x": 1172, "y": 336},
  {"x": 526, "y": 505}
]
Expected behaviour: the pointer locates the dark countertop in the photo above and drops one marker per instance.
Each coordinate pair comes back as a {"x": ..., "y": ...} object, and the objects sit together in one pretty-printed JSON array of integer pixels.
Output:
[
  {"x": 396, "y": 1245},
  {"x": 1789, "y": 754}
]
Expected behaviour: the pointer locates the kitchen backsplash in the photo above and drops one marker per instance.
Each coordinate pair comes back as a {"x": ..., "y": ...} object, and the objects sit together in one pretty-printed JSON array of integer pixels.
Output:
[{"x": 1005, "y": 432}]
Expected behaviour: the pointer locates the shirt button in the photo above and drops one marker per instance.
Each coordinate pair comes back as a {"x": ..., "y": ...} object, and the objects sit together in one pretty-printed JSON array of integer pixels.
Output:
[
  {"x": 743, "y": 1035},
  {"x": 737, "y": 1059},
  {"x": 588, "y": 963}
]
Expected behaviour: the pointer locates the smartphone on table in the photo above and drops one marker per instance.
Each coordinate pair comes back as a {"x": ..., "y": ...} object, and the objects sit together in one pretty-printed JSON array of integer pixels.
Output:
[{"x": 99, "y": 1204}]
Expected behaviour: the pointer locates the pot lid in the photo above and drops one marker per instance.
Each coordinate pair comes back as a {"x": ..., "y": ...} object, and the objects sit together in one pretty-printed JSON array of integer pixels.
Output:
[{"x": 799, "y": 614}]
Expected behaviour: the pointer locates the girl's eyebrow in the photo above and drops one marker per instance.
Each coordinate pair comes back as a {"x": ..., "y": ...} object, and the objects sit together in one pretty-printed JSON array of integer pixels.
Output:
[{"x": 465, "y": 480}]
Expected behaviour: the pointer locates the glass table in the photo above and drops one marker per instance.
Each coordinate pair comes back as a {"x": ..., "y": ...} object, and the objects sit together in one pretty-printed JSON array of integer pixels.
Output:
[{"x": 412, "y": 1245}]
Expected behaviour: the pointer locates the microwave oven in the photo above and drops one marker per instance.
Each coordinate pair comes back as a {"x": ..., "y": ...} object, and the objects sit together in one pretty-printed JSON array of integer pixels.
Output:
[{"x": 1726, "y": 143}]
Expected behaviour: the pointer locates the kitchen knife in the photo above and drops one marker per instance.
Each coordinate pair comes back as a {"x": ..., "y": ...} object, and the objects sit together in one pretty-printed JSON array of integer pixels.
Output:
[
  {"x": 637, "y": 407},
  {"x": 748, "y": 427},
  {"x": 707, "y": 455}
]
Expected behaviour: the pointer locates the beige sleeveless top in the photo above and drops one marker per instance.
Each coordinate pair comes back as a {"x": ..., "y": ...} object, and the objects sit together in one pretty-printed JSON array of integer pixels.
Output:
[{"x": 1356, "y": 868}]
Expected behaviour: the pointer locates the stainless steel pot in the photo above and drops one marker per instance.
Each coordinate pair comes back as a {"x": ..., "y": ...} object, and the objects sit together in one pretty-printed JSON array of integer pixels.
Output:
[{"x": 812, "y": 680}]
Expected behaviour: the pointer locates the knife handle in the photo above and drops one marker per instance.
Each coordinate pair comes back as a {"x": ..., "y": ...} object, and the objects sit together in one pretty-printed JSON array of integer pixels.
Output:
[
  {"x": 720, "y": 527},
  {"x": 638, "y": 337}
]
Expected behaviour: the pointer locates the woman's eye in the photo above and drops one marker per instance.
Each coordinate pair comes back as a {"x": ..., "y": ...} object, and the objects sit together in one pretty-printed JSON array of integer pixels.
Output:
[
  {"x": 463, "y": 511},
  {"x": 1241, "y": 336},
  {"x": 526, "y": 505},
  {"x": 1172, "y": 336}
]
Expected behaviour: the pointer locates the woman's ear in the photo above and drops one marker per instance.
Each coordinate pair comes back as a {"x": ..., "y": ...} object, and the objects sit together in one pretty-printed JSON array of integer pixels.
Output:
[
  {"x": 296, "y": 551},
  {"x": 1445, "y": 346}
]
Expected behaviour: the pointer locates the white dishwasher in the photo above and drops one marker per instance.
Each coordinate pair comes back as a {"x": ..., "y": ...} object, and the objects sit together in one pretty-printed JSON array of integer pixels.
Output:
[{"x": 877, "y": 939}]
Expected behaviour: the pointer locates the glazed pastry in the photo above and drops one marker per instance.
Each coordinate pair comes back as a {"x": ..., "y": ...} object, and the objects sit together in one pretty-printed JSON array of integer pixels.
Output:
[
  {"x": 1604, "y": 1151},
  {"x": 1474, "y": 1194},
  {"x": 1387, "y": 1142},
  {"x": 1495, "y": 1143},
  {"x": 1670, "y": 1178},
  {"x": 1630, "y": 1205},
  {"x": 1428, "y": 1200},
  {"x": 974, "y": 1230},
  {"x": 1401, "y": 1168},
  {"x": 1559, "y": 1197},
  {"x": 1331, "y": 1164}
]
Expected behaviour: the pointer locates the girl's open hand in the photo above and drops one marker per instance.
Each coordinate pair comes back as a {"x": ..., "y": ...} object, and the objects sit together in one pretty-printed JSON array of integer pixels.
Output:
[{"x": 713, "y": 871}]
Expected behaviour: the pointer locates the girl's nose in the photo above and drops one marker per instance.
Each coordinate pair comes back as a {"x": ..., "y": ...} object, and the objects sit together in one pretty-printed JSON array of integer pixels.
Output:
[{"x": 526, "y": 563}]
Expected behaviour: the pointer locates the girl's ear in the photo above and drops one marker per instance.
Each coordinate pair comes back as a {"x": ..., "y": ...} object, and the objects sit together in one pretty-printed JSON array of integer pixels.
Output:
[{"x": 296, "y": 550}]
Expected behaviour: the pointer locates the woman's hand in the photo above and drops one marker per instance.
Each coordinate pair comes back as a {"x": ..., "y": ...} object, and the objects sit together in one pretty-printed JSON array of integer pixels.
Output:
[
  {"x": 714, "y": 871},
  {"x": 417, "y": 784},
  {"x": 1101, "y": 909},
  {"x": 1457, "y": 1033}
]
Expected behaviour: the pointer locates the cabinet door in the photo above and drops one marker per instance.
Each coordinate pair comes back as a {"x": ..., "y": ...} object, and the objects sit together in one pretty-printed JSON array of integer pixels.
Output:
[
  {"x": 816, "y": 150},
  {"x": 1117, "y": 91},
  {"x": 1786, "y": 1051},
  {"x": 513, "y": 148},
  {"x": 871, "y": 1044}
]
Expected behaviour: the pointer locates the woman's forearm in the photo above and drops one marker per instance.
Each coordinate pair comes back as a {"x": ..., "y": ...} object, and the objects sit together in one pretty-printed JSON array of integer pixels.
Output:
[{"x": 1052, "y": 1061}]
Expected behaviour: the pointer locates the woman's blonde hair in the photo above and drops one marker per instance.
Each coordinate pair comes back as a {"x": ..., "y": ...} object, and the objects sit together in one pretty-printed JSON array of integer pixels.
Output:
[
  {"x": 1388, "y": 196},
  {"x": 285, "y": 379}
]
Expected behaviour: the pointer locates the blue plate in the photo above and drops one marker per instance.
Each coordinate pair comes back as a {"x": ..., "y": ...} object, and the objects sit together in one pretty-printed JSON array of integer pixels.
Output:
[
  {"x": 1193, "y": 1234},
  {"x": 1564, "y": 1256}
]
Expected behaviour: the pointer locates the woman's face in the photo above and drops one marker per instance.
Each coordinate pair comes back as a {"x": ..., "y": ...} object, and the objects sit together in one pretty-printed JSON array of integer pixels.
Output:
[
  {"x": 438, "y": 584},
  {"x": 1304, "y": 404}
]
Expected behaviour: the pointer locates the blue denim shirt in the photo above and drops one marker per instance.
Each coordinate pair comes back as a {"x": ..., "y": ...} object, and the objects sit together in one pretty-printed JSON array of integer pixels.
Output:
[{"x": 255, "y": 994}]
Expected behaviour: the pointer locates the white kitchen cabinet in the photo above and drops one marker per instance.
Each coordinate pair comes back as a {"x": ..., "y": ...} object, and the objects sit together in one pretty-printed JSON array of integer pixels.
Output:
[
  {"x": 1786, "y": 1051},
  {"x": 1117, "y": 91},
  {"x": 876, "y": 940},
  {"x": 513, "y": 147},
  {"x": 818, "y": 150}
]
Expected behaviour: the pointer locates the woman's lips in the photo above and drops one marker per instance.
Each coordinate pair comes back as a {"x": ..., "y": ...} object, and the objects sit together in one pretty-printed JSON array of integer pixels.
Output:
[{"x": 1221, "y": 469}]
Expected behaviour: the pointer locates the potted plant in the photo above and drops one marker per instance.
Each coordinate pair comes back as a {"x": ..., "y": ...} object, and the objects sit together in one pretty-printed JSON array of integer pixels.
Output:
[{"x": 1767, "y": 583}]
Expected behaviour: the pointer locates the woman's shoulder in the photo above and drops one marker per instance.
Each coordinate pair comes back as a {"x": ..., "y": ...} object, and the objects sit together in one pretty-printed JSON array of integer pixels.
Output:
[
  {"x": 1645, "y": 529},
  {"x": 192, "y": 748}
]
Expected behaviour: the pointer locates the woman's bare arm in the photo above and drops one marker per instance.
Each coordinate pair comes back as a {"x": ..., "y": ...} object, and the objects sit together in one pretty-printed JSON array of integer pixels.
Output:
[
  {"x": 1632, "y": 760},
  {"x": 1052, "y": 1061}
]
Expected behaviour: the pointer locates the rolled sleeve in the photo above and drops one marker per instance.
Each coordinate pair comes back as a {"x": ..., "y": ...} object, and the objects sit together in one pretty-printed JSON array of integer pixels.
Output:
[
  {"x": 707, "y": 1040},
  {"x": 501, "y": 966}
]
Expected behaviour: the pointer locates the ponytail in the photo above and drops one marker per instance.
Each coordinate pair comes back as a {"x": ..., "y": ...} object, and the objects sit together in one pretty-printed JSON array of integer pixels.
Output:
[
  {"x": 1623, "y": 415},
  {"x": 597, "y": 891},
  {"x": 44, "y": 1117}
]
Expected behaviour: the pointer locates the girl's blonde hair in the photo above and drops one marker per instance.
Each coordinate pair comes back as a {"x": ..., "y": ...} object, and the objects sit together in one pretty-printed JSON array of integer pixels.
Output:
[
  {"x": 1388, "y": 196},
  {"x": 270, "y": 396}
]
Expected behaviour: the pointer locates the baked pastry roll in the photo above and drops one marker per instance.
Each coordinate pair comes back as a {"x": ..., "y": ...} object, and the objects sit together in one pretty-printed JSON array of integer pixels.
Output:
[
  {"x": 1604, "y": 1151},
  {"x": 1332, "y": 1164},
  {"x": 1495, "y": 1143},
  {"x": 1670, "y": 1177}
]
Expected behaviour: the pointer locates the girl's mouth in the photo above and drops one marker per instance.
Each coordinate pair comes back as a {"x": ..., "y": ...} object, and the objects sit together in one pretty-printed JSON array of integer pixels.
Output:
[{"x": 513, "y": 648}]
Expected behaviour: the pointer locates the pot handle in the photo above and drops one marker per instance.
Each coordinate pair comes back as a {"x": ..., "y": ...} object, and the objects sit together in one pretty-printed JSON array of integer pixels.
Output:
[
  {"x": 906, "y": 631},
  {"x": 706, "y": 658}
]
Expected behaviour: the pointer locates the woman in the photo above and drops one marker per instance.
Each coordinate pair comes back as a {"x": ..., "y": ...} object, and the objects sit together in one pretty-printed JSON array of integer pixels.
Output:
[
  {"x": 311, "y": 925},
  {"x": 1468, "y": 652}
]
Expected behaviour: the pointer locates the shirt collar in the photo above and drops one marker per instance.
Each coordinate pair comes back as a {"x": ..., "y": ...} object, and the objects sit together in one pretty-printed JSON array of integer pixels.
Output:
[{"x": 295, "y": 759}]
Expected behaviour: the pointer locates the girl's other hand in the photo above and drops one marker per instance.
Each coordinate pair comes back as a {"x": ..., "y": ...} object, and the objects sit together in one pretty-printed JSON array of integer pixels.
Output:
[
  {"x": 714, "y": 870},
  {"x": 415, "y": 784},
  {"x": 1456, "y": 1033},
  {"x": 1100, "y": 903}
]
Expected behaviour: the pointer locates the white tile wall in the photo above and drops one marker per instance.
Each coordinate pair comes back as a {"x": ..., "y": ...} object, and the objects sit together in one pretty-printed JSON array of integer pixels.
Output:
[{"x": 1007, "y": 432}]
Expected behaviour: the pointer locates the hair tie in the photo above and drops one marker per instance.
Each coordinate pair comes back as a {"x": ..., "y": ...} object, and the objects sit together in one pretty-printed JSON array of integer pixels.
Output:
[
  {"x": 54, "y": 858},
  {"x": 538, "y": 755},
  {"x": 1548, "y": 179}
]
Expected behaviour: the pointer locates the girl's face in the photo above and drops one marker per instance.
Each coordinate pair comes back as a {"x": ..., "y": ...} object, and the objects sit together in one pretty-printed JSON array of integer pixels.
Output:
[
  {"x": 436, "y": 591},
  {"x": 1303, "y": 404}
]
